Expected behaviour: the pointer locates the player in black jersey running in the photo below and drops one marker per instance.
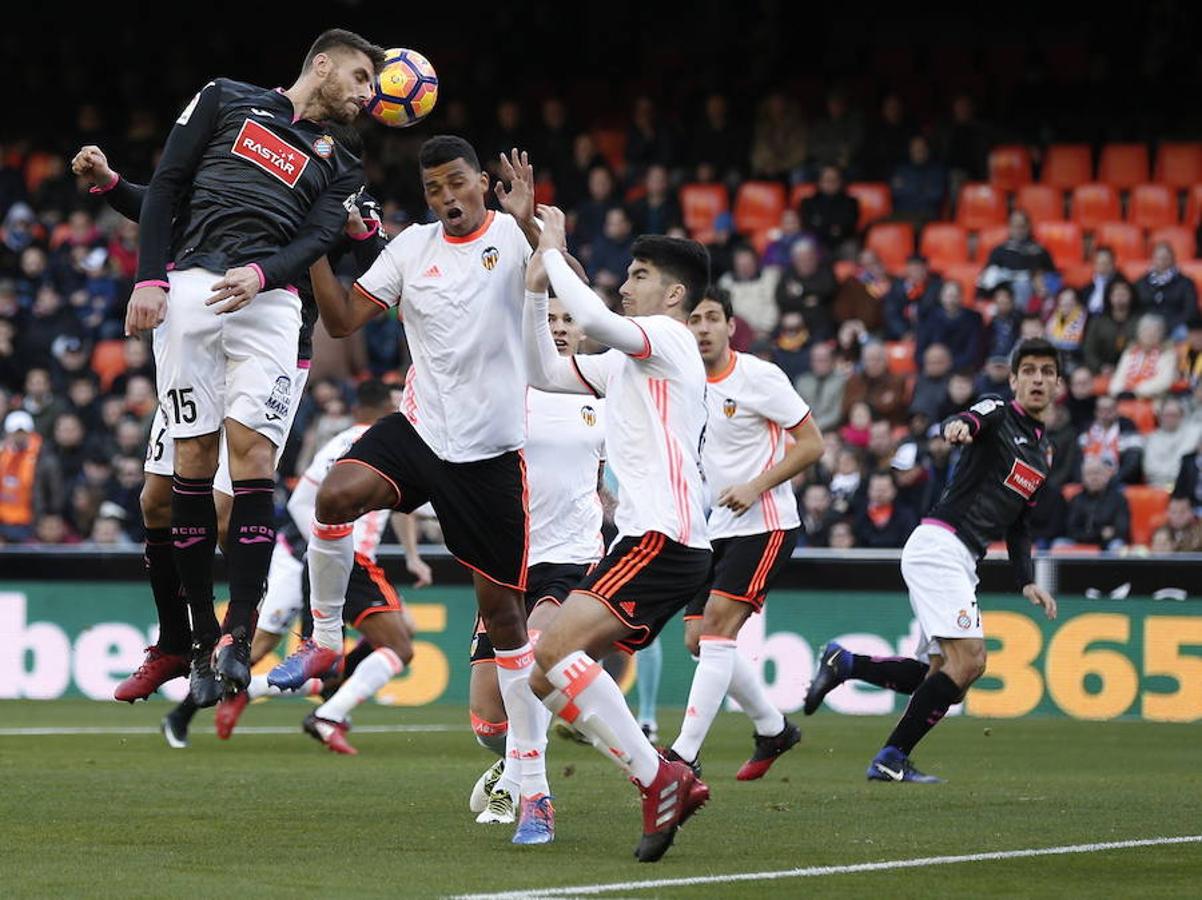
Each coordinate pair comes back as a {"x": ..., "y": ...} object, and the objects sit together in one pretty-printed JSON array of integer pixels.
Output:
[
  {"x": 250, "y": 184},
  {"x": 1003, "y": 467}
]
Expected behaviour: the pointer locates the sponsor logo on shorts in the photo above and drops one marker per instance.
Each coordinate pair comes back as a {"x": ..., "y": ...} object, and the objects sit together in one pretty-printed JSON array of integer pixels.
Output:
[
  {"x": 1023, "y": 479},
  {"x": 280, "y": 399},
  {"x": 627, "y": 607},
  {"x": 272, "y": 154},
  {"x": 324, "y": 146},
  {"x": 489, "y": 257},
  {"x": 729, "y": 408},
  {"x": 589, "y": 415},
  {"x": 964, "y": 620}
]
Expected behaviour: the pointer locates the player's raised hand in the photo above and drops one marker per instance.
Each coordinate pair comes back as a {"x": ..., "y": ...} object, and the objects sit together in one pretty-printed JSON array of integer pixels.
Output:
[
  {"x": 739, "y": 498},
  {"x": 536, "y": 274},
  {"x": 1040, "y": 597},
  {"x": 91, "y": 163},
  {"x": 354, "y": 222},
  {"x": 423, "y": 575},
  {"x": 958, "y": 432},
  {"x": 146, "y": 310},
  {"x": 236, "y": 289},
  {"x": 554, "y": 235},
  {"x": 518, "y": 198}
]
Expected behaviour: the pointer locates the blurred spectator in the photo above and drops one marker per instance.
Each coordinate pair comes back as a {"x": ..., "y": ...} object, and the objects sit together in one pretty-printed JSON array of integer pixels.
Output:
[
  {"x": 572, "y": 186},
  {"x": 1147, "y": 368},
  {"x": 39, "y": 401},
  {"x": 858, "y": 428},
  {"x": 107, "y": 528},
  {"x": 822, "y": 387},
  {"x": 910, "y": 297},
  {"x": 1107, "y": 335},
  {"x": 845, "y": 483},
  {"x": 930, "y": 389},
  {"x": 920, "y": 184},
  {"x": 610, "y": 258},
  {"x": 1189, "y": 479},
  {"x": 138, "y": 363},
  {"x": 70, "y": 445},
  {"x": 779, "y": 145},
  {"x": 1005, "y": 325},
  {"x": 1162, "y": 541},
  {"x": 1066, "y": 326},
  {"x": 19, "y": 233},
  {"x": 909, "y": 470},
  {"x": 1016, "y": 260},
  {"x": 49, "y": 322},
  {"x": 752, "y": 290},
  {"x": 1165, "y": 447},
  {"x": 1114, "y": 440},
  {"x": 1081, "y": 400},
  {"x": 964, "y": 141},
  {"x": 1048, "y": 518},
  {"x": 836, "y": 138},
  {"x": 817, "y": 517},
  {"x": 960, "y": 330},
  {"x": 1189, "y": 354},
  {"x": 1182, "y": 527},
  {"x": 649, "y": 140},
  {"x": 31, "y": 483},
  {"x": 590, "y": 214},
  {"x": 878, "y": 456},
  {"x": 1063, "y": 437},
  {"x": 12, "y": 372},
  {"x": 657, "y": 210},
  {"x": 960, "y": 393},
  {"x": 718, "y": 149},
  {"x": 861, "y": 297},
  {"x": 873, "y": 383},
  {"x": 57, "y": 189},
  {"x": 832, "y": 214},
  {"x": 71, "y": 359},
  {"x": 507, "y": 132},
  {"x": 790, "y": 347},
  {"x": 939, "y": 462},
  {"x": 882, "y": 523},
  {"x": 1032, "y": 327},
  {"x": 1104, "y": 275},
  {"x": 551, "y": 143},
  {"x": 1099, "y": 515},
  {"x": 779, "y": 251},
  {"x": 1166, "y": 291},
  {"x": 808, "y": 286},
  {"x": 842, "y": 536},
  {"x": 888, "y": 139},
  {"x": 53, "y": 529},
  {"x": 994, "y": 379}
]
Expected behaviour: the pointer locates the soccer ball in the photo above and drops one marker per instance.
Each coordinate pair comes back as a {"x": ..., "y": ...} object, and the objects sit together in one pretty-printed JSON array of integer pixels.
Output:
[{"x": 406, "y": 89}]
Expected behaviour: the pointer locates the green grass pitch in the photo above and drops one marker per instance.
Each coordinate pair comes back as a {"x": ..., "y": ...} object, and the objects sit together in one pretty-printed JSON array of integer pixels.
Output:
[{"x": 270, "y": 815}]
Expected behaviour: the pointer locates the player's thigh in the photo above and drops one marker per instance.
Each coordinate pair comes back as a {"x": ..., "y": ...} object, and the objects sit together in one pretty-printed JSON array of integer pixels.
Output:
[
  {"x": 160, "y": 448},
  {"x": 190, "y": 365},
  {"x": 583, "y": 623},
  {"x": 547, "y": 587},
  {"x": 223, "y": 483},
  {"x": 940, "y": 575},
  {"x": 374, "y": 607},
  {"x": 259, "y": 342},
  {"x": 724, "y": 617},
  {"x": 389, "y": 467},
  {"x": 386, "y": 628}
]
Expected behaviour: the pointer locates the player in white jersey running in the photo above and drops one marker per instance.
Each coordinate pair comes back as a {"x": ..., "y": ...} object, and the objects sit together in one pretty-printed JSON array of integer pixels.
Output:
[
  {"x": 654, "y": 384},
  {"x": 565, "y": 448},
  {"x": 459, "y": 283},
  {"x": 760, "y": 435}
]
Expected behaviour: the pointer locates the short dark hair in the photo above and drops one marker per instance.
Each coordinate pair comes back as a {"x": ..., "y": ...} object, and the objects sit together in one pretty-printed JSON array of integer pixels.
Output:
[
  {"x": 717, "y": 295},
  {"x": 1034, "y": 347},
  {"x": 685, "y": 260},
  {"x": 444, "y": 148},
  {"x": 339, "y": 37},
  {"x": 373, "y": 393}
]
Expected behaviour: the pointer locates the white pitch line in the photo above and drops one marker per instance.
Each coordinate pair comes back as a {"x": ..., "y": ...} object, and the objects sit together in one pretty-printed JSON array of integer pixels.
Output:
[
  {"x": 817, "y": 871},
  {"x": 250, "y": 729}
]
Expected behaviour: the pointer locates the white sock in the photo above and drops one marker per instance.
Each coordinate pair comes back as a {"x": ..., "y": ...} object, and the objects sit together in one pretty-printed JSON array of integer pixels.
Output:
[
  {"x": 710, "y": 683},
  {"x": 748, "y": 692},
  {"x": 526, "y": 747},
  {"x": 371, "y": 675},
  {"x": 587, "y": 697},
  {"x": 259, "y": 687},
  {"x": 331, "y": 556},
  {"x": 510, "y": 779}
]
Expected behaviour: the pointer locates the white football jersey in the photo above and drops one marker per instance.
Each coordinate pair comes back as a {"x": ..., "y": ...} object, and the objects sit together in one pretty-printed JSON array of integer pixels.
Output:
[
  {"x": 565, "y": 444},
  {"x": 752, "y": 406},
  {"x": 461, "y": 302},
  {"x": 369, "y": 527},
  {"x": 654, "y": 427}
]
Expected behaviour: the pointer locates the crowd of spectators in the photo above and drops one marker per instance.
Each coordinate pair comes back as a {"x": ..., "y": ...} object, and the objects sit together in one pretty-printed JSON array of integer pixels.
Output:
[{"x": 882, "y": 356}]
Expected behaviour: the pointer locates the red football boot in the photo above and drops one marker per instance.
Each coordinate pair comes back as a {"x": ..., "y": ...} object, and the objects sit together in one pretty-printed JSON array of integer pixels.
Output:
[
  {"x": 156, "y": 670},
  {"x": 228, "y": 712},
  {"x": 674, "y": 795}
]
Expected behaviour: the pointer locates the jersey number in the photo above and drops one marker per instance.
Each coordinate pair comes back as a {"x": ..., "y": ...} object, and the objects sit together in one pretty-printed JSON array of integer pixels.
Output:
[
  {"x": 182, "y": 406},
  {"x": 155, "y": 451}
]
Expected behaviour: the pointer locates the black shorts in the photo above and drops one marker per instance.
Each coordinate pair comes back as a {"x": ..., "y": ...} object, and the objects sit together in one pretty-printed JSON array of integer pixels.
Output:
[
  {"x": 745, "y": 568},
  {"x": 368, "y": 591},
  {"x": 545, "y": 583},
  {"x": 645, "y": 581},
  {"x": 481, "y": 505}
]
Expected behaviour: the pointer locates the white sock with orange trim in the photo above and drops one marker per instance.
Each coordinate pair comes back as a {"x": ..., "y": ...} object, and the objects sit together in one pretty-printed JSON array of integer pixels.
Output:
[
  {"x": 371, "y": 675},
  {"x": 527, "y": 744},
  {"x": 748, "y": 691},
  {"x": 331, "y": 557},
  {"x": 588, "y": 698},
  {"x": 259, "y": 687},
  {"x": 710, "y": 684}
]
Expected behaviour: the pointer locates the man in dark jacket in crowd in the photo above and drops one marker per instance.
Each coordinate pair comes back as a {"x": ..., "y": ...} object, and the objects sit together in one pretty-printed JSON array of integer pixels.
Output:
[
  {"x": 881, "y": 522},
  {"x": 1099, "y": 514}
]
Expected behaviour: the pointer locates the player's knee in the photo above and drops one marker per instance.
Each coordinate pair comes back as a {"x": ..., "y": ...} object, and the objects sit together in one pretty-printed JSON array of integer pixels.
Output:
[
  {"x": 538, "y": 680},
  {"x": 155, "y": 501},
  {"x": 339, "y": 499}
]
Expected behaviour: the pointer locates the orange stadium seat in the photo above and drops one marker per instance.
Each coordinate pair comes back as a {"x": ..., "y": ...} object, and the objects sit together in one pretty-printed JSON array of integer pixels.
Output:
[
  {"x": 758, "y": 204},
  {"x": 943, "y": 244},
  {"x": 1009, "y": 167},
  {"x": 1193, "y": 206},
  {"x": 1147, "y": 504},
  {"x": 1125, "y": 239},
  {"x": 108, "y": 361},
  {"x": 1063, "y": 241},
  {"x": 844, "y": 269},
  {"x": 1135, "y": 269},
  {"x": 1193, "y": 269},
  {"x": 1067, "y": 165},
  {"x": 1123, "y": 165},
  {"x": 700, "y": 205},
  {"x": 1141, "y": 412},
  {"x": 1095, "y": 203},
  {"x": 980, "y": 205},
  {"x": 876, "y": 201},
  {"x": 966, "y": 273},
  {"x": 893, "y": 242},
  {"x": 989, "y": 238},
  {"x": 1180, "y": 238},
  {"x": 1179, "y": 164},
  {"x": 1040, "y": 202},
  {"x": 801, "y": 192},
  {"x": 611, "y": 144},
  {"x": 1152, "y": 206},
  {"x": 901, "y": 356},
  {"x": 1077, "y": 274}
]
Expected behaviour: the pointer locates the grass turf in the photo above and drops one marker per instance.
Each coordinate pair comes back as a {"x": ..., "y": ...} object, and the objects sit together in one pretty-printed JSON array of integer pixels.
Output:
[{"x": 276, "y": 815}]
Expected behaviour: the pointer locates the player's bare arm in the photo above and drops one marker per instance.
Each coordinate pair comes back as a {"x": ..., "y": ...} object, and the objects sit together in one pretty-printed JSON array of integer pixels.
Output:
[
  {"x": 518, "y": 198},
  {"x": 1039, "y": 597},
  {"x": 405, "y": 525},
  {"x": 804, "y": 452},
  {"x": 343, "y": 312}
]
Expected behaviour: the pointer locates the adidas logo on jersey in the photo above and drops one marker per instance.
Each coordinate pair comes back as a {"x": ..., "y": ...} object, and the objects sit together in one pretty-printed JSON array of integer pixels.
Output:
[
  {"x": 627, "y": 607},
  {"x": 432, "y": 272}
]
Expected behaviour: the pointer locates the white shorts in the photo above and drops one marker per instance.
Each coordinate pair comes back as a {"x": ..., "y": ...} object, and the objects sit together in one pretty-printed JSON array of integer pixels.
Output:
[
  {"x": 239, "y": 366},
  {"x": 282, "y": 602},
  {"x": 941, "y": 575},
  {"x": 160, "y": 451}
]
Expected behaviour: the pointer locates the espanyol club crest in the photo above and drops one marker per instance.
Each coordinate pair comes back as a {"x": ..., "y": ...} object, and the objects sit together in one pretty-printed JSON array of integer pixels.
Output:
[
  {"x": 489, "y": 258},
  {"x": 963, "y": 620},
  {"x": 324, "y": 146},
  {"x": 280, "y": 399},
  {"x": 589, "y": 415},
  {"x": 729, "y": 407}
]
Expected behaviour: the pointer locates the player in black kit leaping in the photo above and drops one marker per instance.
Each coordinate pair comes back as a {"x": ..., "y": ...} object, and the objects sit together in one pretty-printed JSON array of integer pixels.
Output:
[
  {"x": 1004, "y": 466},
  {"x": 256, "y": 186}
]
